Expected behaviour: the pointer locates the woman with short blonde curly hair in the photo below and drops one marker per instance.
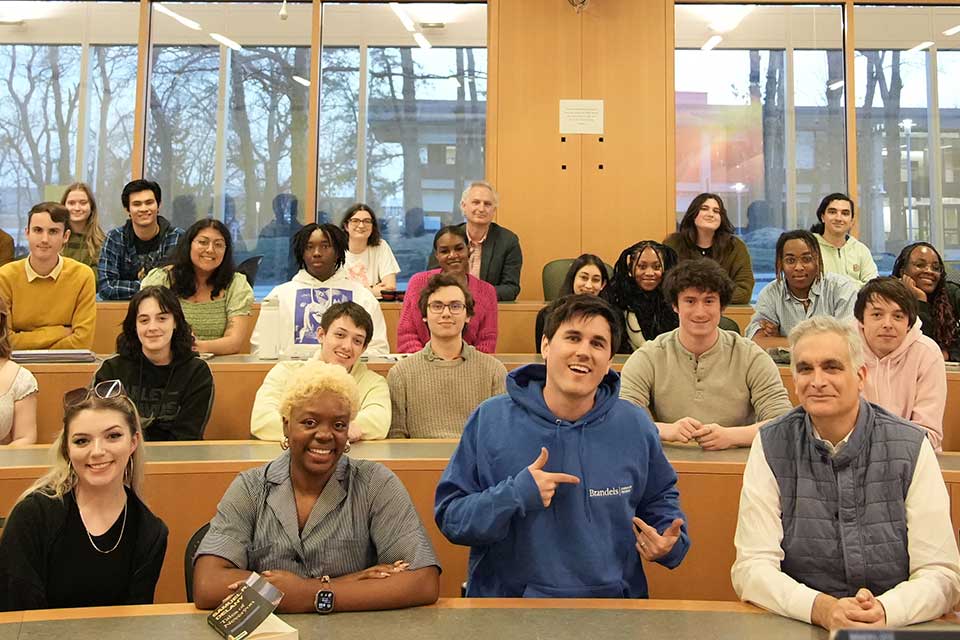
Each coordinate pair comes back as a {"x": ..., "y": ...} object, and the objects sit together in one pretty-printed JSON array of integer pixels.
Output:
[{"x": 342, "y": 513}]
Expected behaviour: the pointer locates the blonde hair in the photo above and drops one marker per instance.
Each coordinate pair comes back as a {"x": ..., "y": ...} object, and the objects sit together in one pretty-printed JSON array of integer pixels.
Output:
[
  {"x": 317, "y": 377},
  {"x": 827, "y": 324},
  {"x": 93, "y": 235},
  {"x": 61, "y": 479}
]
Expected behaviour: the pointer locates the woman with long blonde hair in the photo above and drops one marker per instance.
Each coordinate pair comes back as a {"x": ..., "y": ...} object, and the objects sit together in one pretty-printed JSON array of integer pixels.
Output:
[
  {"x": 18, "y": 400},
  {"x": 81, "y": 535},
  {"x": 86, "y": 235}
]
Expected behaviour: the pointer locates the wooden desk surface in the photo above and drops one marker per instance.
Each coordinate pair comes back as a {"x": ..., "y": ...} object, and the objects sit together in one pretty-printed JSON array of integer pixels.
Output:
[{"x": 463, "y": 618}]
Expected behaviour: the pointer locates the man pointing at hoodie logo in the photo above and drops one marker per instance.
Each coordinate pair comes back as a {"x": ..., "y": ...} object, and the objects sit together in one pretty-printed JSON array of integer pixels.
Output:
[{"x": 559, "y": 487}]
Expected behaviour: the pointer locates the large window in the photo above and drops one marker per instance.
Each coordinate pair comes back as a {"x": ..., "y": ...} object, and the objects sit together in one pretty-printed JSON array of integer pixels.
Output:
[
  {"x": 228, "y": 122},
  {"x": 404, "y": 117},
  {"x": 54, "y": 83},
  {"x": 759, "y": 113},
  {"x": 908, "y": 132}
]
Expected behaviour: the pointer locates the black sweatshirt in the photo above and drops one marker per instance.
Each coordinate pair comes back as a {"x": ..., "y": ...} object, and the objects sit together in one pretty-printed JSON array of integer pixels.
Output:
[
  {"x": 46, "y": 560},
  {"x": 174, "y": 400}
]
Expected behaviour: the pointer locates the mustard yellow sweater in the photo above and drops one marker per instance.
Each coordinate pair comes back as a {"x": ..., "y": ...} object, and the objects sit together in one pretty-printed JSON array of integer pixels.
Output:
[{"x": 50, "y": 314}]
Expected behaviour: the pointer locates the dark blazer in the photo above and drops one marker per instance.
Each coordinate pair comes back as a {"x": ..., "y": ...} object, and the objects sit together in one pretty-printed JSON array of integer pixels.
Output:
[{"x": 500, "y": 262}]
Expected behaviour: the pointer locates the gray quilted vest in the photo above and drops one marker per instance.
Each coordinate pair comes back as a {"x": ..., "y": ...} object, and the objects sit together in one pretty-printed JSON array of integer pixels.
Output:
[{"x": 844, "y": 517}]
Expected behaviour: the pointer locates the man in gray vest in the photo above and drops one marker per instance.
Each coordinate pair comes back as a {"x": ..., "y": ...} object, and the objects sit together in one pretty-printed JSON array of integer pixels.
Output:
[{"x": 844, "y": 516}]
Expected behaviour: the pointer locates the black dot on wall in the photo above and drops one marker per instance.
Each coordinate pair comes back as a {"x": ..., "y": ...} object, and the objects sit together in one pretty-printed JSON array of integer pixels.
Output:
[
  {"x": 563, "y": 167},
  {"x": 600, "y": 166},
  {"x": 563, "y": 138},
  {"x": 600, "y": 138}
]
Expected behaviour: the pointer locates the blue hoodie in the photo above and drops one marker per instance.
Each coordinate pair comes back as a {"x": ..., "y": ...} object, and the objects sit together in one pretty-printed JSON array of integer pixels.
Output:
[{"x": 583, "y": 545}]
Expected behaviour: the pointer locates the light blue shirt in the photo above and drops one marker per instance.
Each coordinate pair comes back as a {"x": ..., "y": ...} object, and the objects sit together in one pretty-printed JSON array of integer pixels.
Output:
[{"x": 832, "y": 295}]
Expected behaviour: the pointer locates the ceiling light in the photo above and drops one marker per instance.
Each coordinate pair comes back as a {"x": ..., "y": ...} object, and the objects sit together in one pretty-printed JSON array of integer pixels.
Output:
[
  {"x": 302, "y": 81},
  {"x": 187, "y": 22},
  {"x": 225, "y": 41},
  {"x": 404, "y": 18},
  {"x": 422, "y": 41},
  {"x": 920, "y": 47},
  {"x": 833, "y": 86},
  {"x": 711, "y": 43},
  {"x": 952, "y": 31}
]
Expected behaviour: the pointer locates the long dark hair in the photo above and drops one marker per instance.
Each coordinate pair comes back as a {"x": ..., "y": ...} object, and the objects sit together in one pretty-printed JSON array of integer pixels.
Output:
[
  {"x": 653, "y": 312},
  {"x": 374, "y": 239},
  {"x": 181, "y": 343},
  {"x": 183, "y": 276},
  {"x": 818, "y": 226},
  {"x": 687, "y": 230},
  {"x": 587, "y": 258},
  {"x": 944, "y": 320}
]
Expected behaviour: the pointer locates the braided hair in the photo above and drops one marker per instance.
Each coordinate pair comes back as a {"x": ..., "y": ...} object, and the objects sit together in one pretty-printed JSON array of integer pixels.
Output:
[
  {"x": 652, "y": 310},
  {"x": 941, "y": 311}
]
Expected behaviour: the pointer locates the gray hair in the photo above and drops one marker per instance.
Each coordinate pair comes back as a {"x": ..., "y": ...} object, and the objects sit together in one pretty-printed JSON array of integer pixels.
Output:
[
  {"x": 485, "y": 185},
  {"x": 828, "y": 324}
]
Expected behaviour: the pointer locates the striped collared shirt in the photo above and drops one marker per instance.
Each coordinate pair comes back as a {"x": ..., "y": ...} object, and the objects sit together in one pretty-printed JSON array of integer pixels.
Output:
[{"x": 363, "y": 517}]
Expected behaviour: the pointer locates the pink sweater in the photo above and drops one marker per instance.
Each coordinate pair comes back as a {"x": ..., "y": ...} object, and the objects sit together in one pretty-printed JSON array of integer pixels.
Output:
[
  {"x": 481, "y": 332},
  {"x": 910, "y": 382}
]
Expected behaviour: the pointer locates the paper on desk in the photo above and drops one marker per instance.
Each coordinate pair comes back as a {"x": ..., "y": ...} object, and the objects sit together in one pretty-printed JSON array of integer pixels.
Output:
[{"x": 273, "y": 628}]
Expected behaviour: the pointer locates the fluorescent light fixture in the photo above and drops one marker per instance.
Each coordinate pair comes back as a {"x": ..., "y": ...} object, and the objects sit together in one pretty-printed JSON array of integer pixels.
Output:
[
  {"x": 225, "y": 41},
  {"x": 404, "y": 18},
  {"x": 906, "y": 123},
  {"x": 187, "y": 22},
  {"x": 920, "y": 47},
  {"x": 952, "y": 31},
  {"x": 833, "y": 86},
  {"x": 302, "y": 81},
  {"x": 422, "y": 41},
  {"x": 711, "y": 43}
]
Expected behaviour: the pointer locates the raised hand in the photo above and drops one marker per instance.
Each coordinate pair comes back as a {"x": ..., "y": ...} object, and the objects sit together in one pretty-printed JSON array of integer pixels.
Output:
[
  {"x": 652, "y": 545},
  {"x": 547, "y": 481}
]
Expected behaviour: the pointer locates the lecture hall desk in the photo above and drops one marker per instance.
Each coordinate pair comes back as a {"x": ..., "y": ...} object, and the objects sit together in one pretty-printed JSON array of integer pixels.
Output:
[
  {"x": 237, "y": 379},
  {"x": 462, "y": 618},
  {"x": 186, "y": 480}
]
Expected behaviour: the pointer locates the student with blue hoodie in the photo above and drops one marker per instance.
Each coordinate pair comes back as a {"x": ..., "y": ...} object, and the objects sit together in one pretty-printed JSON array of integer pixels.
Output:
[{"x": 559, "y": 487}]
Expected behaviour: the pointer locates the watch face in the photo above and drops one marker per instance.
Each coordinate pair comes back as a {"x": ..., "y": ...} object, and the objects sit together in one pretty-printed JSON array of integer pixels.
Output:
[{"x": 324, "y": 602}]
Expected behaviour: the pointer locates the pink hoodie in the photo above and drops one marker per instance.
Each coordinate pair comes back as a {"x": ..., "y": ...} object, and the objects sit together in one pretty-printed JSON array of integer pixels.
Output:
[{"x": 910, "y": 382}]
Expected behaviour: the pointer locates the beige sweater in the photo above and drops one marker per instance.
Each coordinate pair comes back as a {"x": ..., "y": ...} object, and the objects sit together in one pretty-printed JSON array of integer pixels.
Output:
[
  {"x": 734, "y": 383},
  {"x": 432, "y": 398}
]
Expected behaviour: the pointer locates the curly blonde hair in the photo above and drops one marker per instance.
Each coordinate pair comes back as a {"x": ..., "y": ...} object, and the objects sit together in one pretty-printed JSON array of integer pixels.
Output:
[{"x": 316, "y": 377}]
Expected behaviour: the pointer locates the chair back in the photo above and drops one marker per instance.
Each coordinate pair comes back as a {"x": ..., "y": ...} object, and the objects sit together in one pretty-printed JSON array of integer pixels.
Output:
[
  {"x": 249, "y": 268},
  {"x": 192, "y": 545},
  {"x": 553, "y": 274}
]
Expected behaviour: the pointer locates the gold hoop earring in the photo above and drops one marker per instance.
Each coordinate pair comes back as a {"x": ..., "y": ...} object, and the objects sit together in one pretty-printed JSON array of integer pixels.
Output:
[
  {"x": 285, "y": 443},
  {"x": 346, "y": 449}
]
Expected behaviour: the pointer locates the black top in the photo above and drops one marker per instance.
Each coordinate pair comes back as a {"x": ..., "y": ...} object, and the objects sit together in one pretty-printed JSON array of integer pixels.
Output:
[
  {"x": 146, "y": 246},
  {"x": 47, "y": 561},
  {"x": 174, "y": 400},
  {"x": 928, "y": 322}
]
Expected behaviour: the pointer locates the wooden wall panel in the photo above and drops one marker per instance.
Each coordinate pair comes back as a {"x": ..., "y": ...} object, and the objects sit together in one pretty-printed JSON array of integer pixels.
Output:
[
  {"x": 538, "y": 63},
  {"x": 625, "y": 64}
]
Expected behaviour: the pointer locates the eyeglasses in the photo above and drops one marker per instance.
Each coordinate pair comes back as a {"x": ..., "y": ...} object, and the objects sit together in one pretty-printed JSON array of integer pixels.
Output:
[
  {"x": 203, "y": 243},
  {"x": 104, "y": 390},
  {"x": 806, "y": 261},
  {"x": 359, "y": 222},
  {"x": 455, "y": 307},
  {"x": 927, "y": 266}
]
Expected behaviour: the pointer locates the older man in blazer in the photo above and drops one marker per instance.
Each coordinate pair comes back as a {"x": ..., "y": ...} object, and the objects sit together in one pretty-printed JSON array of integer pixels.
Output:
[{"x": 494, "y": 251}]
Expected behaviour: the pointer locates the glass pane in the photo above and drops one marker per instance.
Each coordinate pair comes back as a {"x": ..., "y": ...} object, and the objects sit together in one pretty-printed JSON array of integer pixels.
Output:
[
  {"x": 228, "y": 121},
  {"x": 759, "y": 116},
  {"x": 54, "y": 85},
  {"x": 418, "y": 131}
]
